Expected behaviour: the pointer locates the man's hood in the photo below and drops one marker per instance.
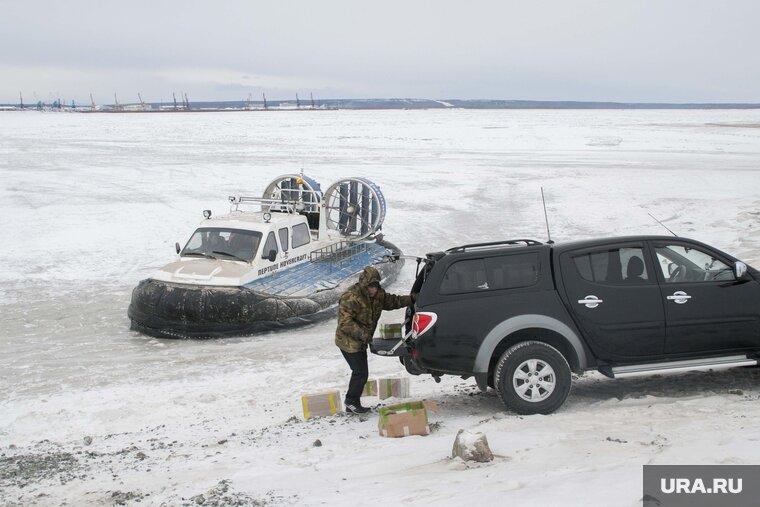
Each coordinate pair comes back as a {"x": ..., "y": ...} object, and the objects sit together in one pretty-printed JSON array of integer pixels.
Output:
[{"x": 369, "y": 274}]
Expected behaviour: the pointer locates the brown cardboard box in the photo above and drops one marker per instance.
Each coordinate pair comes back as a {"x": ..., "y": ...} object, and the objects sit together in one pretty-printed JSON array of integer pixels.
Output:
[
  {"x": 319, "y": 404},
  {"x": 370, "y": 388},
  {"x": 398, "y": 387},
  {"x": 405, "y": 419},
  {"x": 391, "y": 331}
]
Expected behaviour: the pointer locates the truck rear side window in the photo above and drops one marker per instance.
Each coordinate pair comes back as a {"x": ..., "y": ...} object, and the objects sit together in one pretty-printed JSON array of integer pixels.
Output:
[
  {"x": 491, "y": 273},
  {"x": 614, "y": 266},
  {"x": 512, "y": 271},
  {"x": 465, "y": 276}
]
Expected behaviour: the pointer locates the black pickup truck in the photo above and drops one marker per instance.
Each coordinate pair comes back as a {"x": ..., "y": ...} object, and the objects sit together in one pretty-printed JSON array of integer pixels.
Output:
[{"x": 520, "y": 315}]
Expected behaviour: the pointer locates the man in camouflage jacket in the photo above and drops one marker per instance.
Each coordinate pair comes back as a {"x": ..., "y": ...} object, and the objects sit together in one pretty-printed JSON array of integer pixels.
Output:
[{"x": 359, "y": 310}]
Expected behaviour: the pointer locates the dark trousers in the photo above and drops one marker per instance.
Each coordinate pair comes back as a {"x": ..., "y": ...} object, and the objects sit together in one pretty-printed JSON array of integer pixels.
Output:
[{"x": 357, "y": 361}]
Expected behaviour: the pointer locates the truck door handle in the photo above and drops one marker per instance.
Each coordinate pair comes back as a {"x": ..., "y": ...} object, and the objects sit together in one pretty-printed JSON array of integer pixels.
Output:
[
  {"x": 680, "y": 297},
  {"x": 590, "y": 301}
]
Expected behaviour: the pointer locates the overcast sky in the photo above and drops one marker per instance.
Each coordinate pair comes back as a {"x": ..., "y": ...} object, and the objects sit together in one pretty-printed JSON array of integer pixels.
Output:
[{"x": 593, "y": 50}]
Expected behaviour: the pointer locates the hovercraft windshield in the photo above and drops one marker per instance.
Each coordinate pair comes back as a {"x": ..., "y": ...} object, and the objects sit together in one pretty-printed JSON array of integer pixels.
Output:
[{"x": 212, "y": 242}]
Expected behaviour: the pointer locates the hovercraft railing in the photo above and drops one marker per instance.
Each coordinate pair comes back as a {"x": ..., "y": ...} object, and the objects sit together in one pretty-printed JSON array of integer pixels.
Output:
[
  {"x": 338, "y": 254},
  {"x": 306, "y": 203},
  {"x": 266, "y": 204}
]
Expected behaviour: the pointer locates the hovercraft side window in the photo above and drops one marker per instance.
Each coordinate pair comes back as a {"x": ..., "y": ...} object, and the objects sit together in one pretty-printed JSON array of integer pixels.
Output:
[
  {"x": 301, "y": 235},
  {"x": 233, "y": 244},
  {"x": 283, "y": 238},
  {"x": 270, "y": 245}
]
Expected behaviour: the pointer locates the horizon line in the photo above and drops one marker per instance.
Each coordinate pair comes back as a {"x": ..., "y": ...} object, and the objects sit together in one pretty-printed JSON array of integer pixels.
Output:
[{"x": 452, "y": 103}]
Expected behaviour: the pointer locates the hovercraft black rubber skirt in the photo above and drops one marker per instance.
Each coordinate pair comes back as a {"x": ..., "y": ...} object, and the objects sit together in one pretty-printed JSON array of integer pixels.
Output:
[{"x": 172, "y": 310}]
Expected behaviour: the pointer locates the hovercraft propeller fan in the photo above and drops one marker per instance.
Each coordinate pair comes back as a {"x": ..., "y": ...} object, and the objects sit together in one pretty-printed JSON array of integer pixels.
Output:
[
  {"x": 355, "y": 207},
  {"x": 296, "y": 190}
]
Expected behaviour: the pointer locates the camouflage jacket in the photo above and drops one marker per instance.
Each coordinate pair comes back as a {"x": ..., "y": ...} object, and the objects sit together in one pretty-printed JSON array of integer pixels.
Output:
[{"x": 358, "y": 313}]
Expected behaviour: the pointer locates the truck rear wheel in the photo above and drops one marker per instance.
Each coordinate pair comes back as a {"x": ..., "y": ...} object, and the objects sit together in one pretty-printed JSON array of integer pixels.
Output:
[{"x": 532, "y": 378}]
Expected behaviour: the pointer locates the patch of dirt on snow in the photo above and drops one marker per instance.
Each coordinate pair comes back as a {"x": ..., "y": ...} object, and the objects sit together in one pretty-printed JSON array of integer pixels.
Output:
[
  {"x": 123, "y": 497},
  {"x": 24, "y": 469},
  {"x": 222, "y": 495}
]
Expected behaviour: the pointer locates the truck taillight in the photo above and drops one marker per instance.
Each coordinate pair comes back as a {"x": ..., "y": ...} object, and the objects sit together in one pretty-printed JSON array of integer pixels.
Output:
[{"x": 422, "y": 322}]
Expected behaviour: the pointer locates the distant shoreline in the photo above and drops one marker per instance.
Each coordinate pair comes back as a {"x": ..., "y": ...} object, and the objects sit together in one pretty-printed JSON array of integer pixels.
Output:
[
  {"x": 735, "y": 125},
  {"x": 366, "y": 104}
]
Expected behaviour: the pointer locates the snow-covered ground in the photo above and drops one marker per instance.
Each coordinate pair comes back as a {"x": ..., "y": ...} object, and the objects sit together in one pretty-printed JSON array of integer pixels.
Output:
[{"x": 94, "y": 414}]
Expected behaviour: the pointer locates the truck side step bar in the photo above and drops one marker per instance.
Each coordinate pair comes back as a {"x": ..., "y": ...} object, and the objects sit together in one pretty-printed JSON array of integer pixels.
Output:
[{"x": 673, "y": 366}]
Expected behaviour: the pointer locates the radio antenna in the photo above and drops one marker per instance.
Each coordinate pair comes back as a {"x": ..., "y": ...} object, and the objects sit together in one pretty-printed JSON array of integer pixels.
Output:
[
  {"x": 665, "y": 226},
  {"x": 546, "y": 219}
]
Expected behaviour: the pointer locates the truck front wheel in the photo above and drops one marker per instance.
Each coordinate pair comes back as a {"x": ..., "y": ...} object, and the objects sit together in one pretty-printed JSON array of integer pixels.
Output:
[{"x": 532, "y": 378}]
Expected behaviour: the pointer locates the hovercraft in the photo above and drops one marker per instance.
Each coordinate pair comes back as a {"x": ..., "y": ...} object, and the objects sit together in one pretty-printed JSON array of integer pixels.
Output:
[{"x": 285, "y": 263}]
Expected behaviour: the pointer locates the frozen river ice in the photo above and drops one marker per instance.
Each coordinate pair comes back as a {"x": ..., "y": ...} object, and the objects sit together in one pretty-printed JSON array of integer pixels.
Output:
[{"x": 93, "y": 203}]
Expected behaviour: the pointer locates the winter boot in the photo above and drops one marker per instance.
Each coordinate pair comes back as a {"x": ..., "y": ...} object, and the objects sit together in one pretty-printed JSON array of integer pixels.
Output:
[{"x": 353, "y": 407}]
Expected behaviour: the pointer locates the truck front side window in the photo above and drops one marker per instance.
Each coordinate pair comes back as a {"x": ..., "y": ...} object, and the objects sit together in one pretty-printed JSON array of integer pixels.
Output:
[{"x": 688, "y": 264}]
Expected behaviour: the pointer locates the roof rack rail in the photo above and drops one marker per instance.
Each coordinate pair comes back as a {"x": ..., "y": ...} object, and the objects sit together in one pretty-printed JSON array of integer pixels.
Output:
[{"x": 527, "y": 242}]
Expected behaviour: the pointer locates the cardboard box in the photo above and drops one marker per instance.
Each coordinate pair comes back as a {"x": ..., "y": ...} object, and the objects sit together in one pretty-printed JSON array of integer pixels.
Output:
[
  {"x": 398, "y": 387},
  {"x": 405, "y": 419},
  {"x": 320, "y": 404},
  {"x": 391, "y": 331},
  {"x": 370, "y": 388}
]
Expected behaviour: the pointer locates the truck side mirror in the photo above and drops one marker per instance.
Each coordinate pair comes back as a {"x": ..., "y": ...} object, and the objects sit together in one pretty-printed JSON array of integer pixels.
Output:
[
  {"x": 740, "y": 269},
  {"x": 176, "y": 247}
]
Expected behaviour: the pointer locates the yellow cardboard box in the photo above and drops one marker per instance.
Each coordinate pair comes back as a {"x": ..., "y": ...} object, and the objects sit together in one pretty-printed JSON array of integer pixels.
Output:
[
  {"x": 398, "y": 387},
  {"x": 405, "y": 419},
  {"x": 370, "y": 388},
  {"x": 391, "y": 331},
  {"x": 320, "y": 404}
]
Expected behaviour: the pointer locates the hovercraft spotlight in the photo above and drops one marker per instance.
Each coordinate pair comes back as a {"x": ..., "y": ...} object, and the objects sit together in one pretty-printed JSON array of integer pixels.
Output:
[{"x": 285, "y": 263}]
